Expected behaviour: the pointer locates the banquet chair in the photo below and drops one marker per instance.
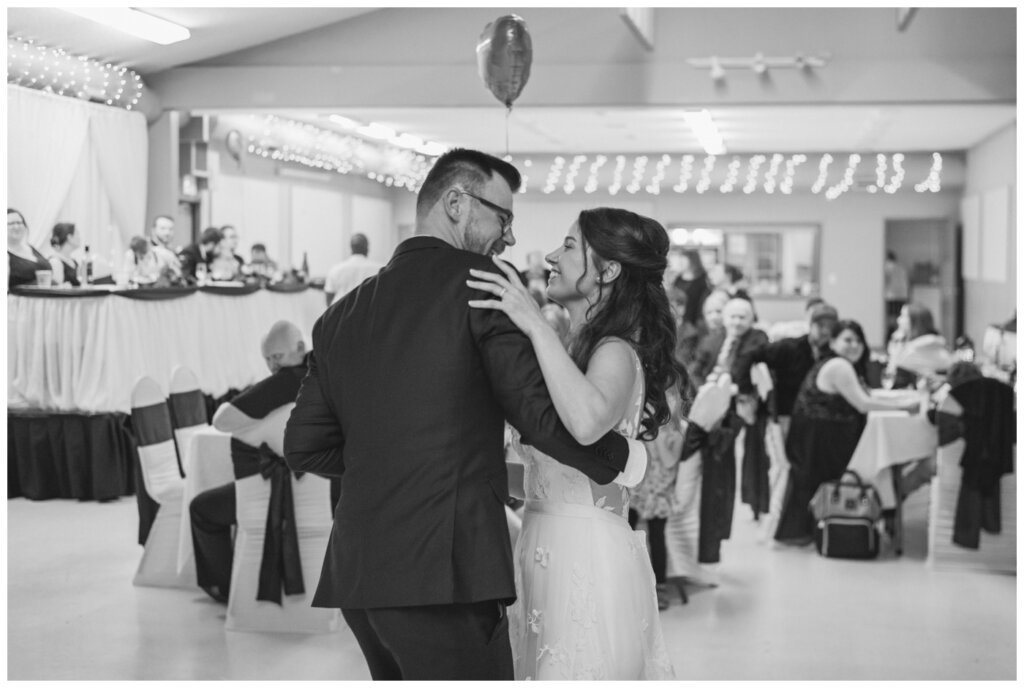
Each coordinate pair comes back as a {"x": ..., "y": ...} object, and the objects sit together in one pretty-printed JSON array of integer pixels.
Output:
[
  {"x": 158, "y": 463},
  {"x": 996, "y": 552},
  {"x": 188, "y": 410},
  {"x": 311, "y": 496}
]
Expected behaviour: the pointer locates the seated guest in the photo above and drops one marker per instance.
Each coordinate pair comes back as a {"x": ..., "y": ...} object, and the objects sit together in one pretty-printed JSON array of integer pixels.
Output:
[
  {"x": 225, "y": 265},
  {"x": 198, "y": 253},
  {"x": 828, "y": 418},
  {"x": 141, "y": 263},
  {"x": 161, "y": 239},
  {"x": 213, "y": 512},
  {"x": 261, "y": 264},
  {"x": 23, "y": 259},
  {"x": 792, "y": 358},
  {"x": 915, "y": 349},
  {"x": 64, "y": 241}
]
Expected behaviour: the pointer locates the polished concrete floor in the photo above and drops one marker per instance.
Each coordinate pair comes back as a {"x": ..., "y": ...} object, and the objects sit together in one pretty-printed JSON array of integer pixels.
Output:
[{"x": 778, "y": 613}]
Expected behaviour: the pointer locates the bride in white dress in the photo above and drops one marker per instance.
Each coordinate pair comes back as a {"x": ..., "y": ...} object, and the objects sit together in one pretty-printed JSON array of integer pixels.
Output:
[{"x": 586, "y": 605}]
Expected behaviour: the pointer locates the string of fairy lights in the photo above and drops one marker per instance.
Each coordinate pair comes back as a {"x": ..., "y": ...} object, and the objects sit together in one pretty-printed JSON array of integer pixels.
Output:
[
  {"x": 55, "y": 70},
  {"x": 404, "y": 160}
]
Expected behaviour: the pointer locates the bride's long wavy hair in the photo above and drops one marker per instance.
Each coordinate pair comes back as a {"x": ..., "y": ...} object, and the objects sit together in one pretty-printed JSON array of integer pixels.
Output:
[{"x": 634, "y": 306}]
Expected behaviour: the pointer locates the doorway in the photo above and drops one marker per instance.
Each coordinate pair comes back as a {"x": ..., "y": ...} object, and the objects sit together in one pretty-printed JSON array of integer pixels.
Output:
[{"x": 926, "y": 250}]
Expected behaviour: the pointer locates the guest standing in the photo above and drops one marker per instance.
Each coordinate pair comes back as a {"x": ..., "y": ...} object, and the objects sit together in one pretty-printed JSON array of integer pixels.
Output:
[
  {"x": 828, "y": 418},
  {"x": 350, "y": 273},
  {"x": 23, "y": 258},
  {"x": 693, "y": 280}
]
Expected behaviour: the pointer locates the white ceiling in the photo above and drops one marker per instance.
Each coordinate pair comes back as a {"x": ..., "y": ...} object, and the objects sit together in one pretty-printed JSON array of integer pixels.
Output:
[
  {"x": 215, "y": 31},
  {"x": 746, "y": 129},
  {"x": 764, "y": 129}
]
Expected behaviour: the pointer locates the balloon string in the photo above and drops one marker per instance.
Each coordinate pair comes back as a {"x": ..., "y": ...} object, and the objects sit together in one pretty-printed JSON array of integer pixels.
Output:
[{"x": 508, "y": 114}]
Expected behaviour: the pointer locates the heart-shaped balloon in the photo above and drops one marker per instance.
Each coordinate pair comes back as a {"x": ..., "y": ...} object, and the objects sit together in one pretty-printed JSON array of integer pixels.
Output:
[
  {"x": 503, "y": 57},
  {"x": 233, "y": 142}
]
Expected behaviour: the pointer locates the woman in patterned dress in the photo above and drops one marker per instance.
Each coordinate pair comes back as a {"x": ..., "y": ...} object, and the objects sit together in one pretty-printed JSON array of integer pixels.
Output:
[{"x": 586, "y": 606}]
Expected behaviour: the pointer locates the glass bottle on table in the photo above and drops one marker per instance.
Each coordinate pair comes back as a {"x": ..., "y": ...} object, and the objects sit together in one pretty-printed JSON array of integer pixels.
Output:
[{"x": 201, "y": 273}]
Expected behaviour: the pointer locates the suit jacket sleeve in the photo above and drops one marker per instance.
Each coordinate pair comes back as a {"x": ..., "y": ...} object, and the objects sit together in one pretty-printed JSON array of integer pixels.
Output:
[
  {"x": 313, "y": 440},
  {"x": 518, "y": 385}
]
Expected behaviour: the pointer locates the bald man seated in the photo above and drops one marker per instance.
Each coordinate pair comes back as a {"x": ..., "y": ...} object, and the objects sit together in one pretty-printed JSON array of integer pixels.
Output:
[{"x": 256, "y": 416}]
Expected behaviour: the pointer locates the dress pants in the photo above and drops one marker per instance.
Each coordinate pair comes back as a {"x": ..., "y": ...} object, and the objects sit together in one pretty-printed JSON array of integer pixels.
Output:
[
  {"x": 435, "y": 642},
  {"x": 213, "y": 515},
  {"x": 656, "y": 542}
]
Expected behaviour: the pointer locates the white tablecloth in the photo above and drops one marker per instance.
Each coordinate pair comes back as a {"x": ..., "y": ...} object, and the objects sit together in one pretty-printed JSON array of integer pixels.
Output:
[
  {"x": 85, "y": 354},
  {"x": 889, "y": 439},
  {"x": 206, "y": 459}
]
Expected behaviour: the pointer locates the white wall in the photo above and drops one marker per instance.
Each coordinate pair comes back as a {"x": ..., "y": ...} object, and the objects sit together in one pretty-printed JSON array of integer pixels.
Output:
[
  {"x": 314, "y": 215},
  {"x": 852, "y": 238},
  {"x": 990, "y": 165}
]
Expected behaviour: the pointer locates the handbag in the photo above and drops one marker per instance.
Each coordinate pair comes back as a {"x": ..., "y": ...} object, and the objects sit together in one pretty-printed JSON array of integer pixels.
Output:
[{"x": 845, "y": 512}]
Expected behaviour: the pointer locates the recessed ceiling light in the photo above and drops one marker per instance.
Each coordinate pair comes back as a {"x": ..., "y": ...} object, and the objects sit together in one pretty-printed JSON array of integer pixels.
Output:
[{"x": 136, "y": 23}]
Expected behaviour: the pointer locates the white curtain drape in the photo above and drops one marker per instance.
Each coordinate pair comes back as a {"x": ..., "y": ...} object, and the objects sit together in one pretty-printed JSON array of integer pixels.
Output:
[
  {"x": 72, "y": 161},
  {"x": 45, "y": 138}
]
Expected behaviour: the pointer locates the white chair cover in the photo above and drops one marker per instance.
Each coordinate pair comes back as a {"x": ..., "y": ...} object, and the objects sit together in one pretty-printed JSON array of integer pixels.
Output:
[
  {"x": 160, "y": 475},
  {"x": 188, "y": 410},
  {"x": 313, "y": 519}
]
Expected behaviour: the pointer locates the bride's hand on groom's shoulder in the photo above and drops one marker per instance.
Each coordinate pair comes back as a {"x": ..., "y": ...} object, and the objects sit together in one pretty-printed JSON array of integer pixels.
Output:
[{"x": 511, "y": 297}]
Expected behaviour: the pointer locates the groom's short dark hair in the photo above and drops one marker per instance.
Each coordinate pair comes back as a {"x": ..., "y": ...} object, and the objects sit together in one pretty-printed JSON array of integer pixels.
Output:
[{"x": 472, "y": 168}]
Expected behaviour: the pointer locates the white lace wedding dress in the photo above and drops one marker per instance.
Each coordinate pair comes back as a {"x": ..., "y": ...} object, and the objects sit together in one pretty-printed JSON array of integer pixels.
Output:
[{"x": 586, "y": 605}]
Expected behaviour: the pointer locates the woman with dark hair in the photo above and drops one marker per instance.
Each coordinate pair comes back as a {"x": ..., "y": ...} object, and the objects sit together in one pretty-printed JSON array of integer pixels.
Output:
[
  {"x": 586, "y": 604},
  {"x": 828, "y": 418},
  {"x": 23, "y": 258},
  {"x": 915, "y": 348},
  {"x": 64, "y": 241},
  {"x": 693, "y": 281}
]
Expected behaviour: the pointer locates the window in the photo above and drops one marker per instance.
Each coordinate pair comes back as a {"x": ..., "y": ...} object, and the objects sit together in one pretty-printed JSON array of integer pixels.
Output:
[{"x": 776, "y": 260}]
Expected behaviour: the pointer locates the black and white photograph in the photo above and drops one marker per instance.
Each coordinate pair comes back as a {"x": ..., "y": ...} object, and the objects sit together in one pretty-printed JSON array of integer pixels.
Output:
[{"x": 512, "y": 343}]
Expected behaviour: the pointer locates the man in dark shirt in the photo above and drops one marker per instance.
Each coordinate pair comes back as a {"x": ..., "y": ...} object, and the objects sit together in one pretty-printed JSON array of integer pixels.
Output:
[
  {"x": 199, "y": 252},
  {"x": 792, "y": 358},
  {"x": 213, "y": 511}
]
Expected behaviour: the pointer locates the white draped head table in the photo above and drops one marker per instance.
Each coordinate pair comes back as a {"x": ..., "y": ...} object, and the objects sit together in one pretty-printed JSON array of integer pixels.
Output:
[{"x": 85, "y": 354}]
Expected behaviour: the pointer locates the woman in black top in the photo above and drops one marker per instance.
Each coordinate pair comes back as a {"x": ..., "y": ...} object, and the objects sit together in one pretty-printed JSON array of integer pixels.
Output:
[
  {"x": 64, "y": 240},
  {"x": 693, "y": 281},
  {"x": 23, "y": 258}
]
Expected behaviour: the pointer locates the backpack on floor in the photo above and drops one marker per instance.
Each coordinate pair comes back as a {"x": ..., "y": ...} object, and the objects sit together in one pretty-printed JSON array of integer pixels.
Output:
[{"x": 846, "y": 512}]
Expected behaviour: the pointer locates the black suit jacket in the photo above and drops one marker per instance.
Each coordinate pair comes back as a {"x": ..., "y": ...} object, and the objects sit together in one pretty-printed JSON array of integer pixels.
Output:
[
  {"x": 789, "y": 360},
  {"x": 406, "y": 397}
]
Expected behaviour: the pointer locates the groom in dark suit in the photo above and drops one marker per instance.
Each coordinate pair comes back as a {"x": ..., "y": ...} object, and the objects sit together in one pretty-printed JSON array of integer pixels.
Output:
[{"x": 406, "y": 397}]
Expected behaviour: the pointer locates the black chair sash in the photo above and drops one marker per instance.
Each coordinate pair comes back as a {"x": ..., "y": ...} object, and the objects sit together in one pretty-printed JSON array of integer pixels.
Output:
[
  {"x": 950, "y": 427},
  {"x": 281, "y": 564},
  {"x": 188, "y": 409}
]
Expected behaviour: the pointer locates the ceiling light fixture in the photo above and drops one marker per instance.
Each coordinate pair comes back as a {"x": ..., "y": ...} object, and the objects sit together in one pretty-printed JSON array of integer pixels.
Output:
[
  {"x": 759, "y": 64},
  {"x": 706, "y": 131},
  {"x": 136, "y": 23}
]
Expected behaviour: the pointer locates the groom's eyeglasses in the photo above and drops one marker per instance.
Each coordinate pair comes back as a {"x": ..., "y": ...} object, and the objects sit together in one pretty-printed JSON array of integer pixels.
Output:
[{"x": 504, "y": 216}]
